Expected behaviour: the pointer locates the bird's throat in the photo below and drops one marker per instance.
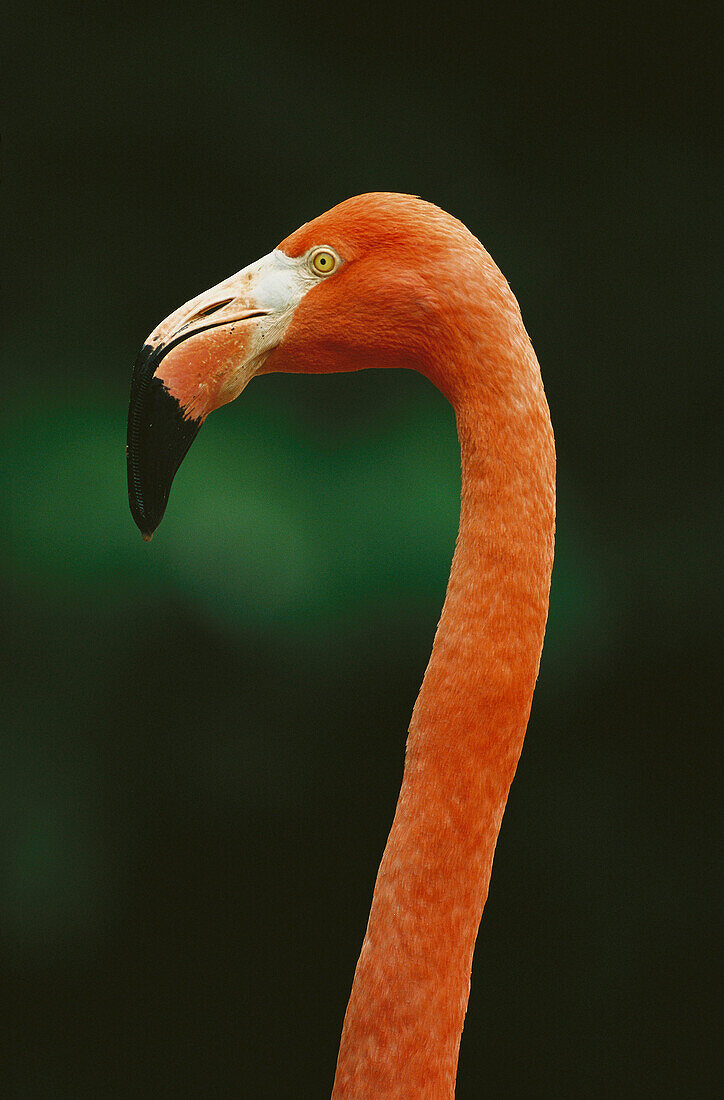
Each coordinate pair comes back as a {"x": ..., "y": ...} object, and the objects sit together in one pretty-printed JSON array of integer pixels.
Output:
[{"x": 405, "y": 1016}]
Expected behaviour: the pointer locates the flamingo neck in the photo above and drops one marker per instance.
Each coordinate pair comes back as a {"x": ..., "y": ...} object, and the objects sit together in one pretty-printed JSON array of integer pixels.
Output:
[{"x": 405, "y": 1016}]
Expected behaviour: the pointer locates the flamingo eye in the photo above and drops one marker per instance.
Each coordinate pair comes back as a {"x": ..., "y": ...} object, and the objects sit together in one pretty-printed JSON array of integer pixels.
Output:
[{"x": 324, "y": 261}]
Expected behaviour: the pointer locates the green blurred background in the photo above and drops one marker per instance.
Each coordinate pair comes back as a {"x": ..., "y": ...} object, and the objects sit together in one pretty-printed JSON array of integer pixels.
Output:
[{"x": 203, "y": 738}]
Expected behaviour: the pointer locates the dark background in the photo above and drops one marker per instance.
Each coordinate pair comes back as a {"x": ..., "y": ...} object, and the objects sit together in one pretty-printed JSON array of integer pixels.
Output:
[{"x": 203, "y": 739}]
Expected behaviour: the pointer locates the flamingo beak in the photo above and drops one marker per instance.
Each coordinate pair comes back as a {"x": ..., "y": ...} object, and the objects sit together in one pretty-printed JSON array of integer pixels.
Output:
[
  {"x": 159, "y": 435},
  {"x": 200, "y": 357}
]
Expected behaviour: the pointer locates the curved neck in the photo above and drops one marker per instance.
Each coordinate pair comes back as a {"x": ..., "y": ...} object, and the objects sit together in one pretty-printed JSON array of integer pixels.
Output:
[{"x": 405, "y": 1015}]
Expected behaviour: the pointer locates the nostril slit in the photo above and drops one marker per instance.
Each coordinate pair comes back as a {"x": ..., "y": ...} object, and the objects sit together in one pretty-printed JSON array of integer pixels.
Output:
[{"x": 211, "y": 309}]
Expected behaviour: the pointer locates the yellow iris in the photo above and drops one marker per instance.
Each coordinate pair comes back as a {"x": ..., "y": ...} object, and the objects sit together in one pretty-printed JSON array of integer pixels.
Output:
[{"x": 324, "y": 261}]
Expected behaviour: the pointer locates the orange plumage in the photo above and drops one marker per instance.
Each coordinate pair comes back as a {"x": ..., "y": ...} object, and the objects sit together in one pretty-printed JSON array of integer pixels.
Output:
[{"x": 416, "y": 289}]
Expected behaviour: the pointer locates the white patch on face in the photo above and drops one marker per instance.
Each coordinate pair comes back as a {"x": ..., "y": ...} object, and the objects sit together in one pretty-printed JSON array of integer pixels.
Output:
[
  {"x": 277, "y": 283},
  {"x": 232, "y": 327}
]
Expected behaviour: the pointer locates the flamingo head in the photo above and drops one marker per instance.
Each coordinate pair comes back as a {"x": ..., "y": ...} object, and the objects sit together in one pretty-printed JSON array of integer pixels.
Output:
[{"x": 378, "y": 281}]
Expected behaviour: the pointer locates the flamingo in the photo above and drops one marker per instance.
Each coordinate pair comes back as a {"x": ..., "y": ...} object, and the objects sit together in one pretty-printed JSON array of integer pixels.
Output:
[{"x": 389, "y": 280}]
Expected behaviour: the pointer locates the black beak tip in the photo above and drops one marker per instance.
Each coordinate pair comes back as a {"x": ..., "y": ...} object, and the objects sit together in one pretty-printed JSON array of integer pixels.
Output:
[
  {"x": 158, "y": 438},
  {"x": 146, "y": 516}
]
